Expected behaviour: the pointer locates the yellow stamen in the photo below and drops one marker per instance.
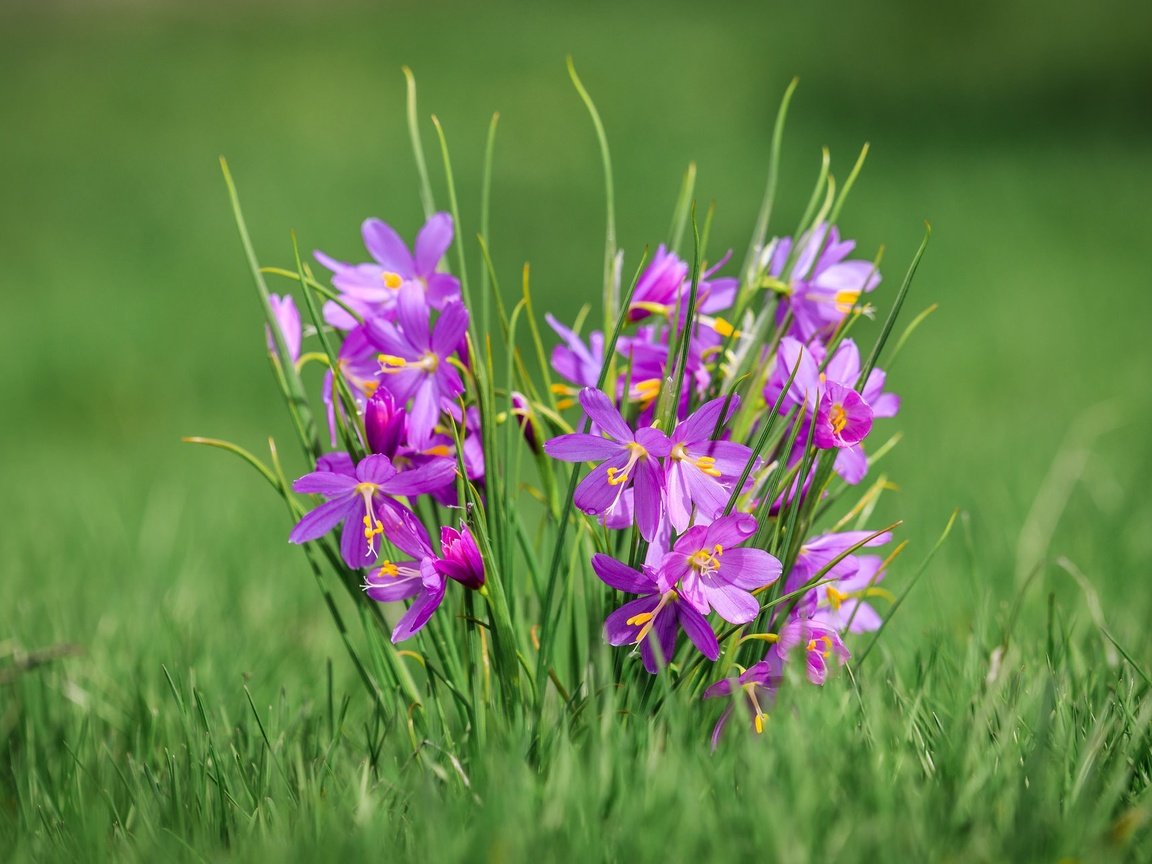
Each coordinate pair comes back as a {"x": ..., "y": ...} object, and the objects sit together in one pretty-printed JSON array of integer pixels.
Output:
[
  {"x": 646, "y": 391},
  {"x": 389, "y": 569},
  {"x": 759, "y": 722},
  {"x": 438, "y": 450},
  {"x": 706, "y": 560},
  {"x": 845, "y": 300},
  {"x": 641, "y": 618},
  {"x": 391, "y": 360},
  {"x": 814, "y": 643},
  {"x": 724, "y": 328},
  {"x": 838, "y": 418},
  {"x": 562, "y": 389},
  {"x": 564, "y": 403},
  {"x": 616, "y": 477},
  {"x": 835, "y": 598},
  {"x": 392, "y": 280}
]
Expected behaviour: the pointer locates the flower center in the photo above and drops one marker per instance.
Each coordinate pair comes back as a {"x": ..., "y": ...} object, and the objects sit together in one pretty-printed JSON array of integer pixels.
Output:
[
  {"x": 838, "y": 418},
  {"x": 707, "y": 464},
  {"x": 814, "y": 645},
  {"x": 619, "y": 476},
  {"x": 392, "y": 281},
  {"x": 845, "y": 300},
  {"x": 706, "y": 561}
]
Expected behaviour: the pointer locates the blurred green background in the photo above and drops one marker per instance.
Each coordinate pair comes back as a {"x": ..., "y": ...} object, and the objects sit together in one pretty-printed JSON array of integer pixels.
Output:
[{"x": 1020, "y": 130}]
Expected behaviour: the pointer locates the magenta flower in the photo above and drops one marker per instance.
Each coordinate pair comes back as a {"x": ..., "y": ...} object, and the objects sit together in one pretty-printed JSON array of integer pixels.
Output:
[
  {"x": 460, "y": 557},
  {"x": 713, "y": 574},
  {"x": 627, "y": 460},
  {"x": 700, "y": 472},
  {"x": 759, "y": 683},
  {"x": 363, "y": 502},
  {"x": 819, "y": 642},
  {"x": 658, "y": 612},
  {"x": 372, "y": 289},
  {"x": 843, "y": 419},
  {"x": 415, "y": 360},
  {"x": 385, "y": 424},
  {"x": 288, "y": 321}
]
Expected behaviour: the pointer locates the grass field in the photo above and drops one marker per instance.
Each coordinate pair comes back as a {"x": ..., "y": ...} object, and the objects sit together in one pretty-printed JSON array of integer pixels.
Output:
[{"x": 200, "y": 711}]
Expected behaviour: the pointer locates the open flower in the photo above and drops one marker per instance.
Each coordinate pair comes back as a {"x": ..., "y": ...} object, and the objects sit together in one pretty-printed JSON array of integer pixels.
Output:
[
  {"x": 713, "y": 572},
  {"x": 393, "y": 581},
  {"x": 629, "y": 460},
  {"x": 363, "y": 502},
  {"x": 820, "y": 643},
  {"x": 699, "y": 471},
  {"x": 758, "y": 685},
  {"x": 372, "y": 288},
  {"x": 658, "y": 612}
]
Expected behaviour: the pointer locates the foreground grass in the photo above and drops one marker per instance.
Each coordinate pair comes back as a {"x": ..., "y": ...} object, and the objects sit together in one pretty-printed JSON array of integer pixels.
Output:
[{"x": 992, "y": 749}]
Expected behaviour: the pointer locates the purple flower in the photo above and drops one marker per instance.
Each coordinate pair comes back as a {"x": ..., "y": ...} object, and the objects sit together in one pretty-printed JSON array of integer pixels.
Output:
[
  {"x": 372, "y": 288},
  {"x": 699, "y": 471},
  {"x": 460, "y": 557},
  {"x": 819, "y": 642},
  {"x": 385, "y": 424},
  {"x": 415, "y": 359},
  {"x": 714, "y": 575},
  {"x": 362, "y": 501},
  {"x": 522, "y": 411},
  {"x": 658, "y": 612},
  {"x": 629, "y": 460},
  {"x": 843, "y": 605},
  {"x": 574, "y": 360},
  {"x": 358, "y": 366},
  {"x": 817, "y": 553},
  {"x": 759, "y": 683},
  {"x": 288, "y": 321}
]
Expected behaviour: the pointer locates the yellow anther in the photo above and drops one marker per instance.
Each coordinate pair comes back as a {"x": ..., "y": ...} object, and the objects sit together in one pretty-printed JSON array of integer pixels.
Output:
[
  {"x": 813, "y": 645},
  {"x": 389, "y": 569},
  {"x": 835, "y": 598},
  {"x": 391, "y": 360},
  {"x": 565, "y": 403},
  {"x": 438, "y": 450},
  {"x": 562, "y": 389},
  {"x": 724, "y": 328},
  {"x": 707, "y": 464},
  {"x": 646, "y": 391},
  {"x": 616, "y": 476},
  {"x": 717, "y": 550},
  {"x": 392, "y": 280},
  {"x": 639, "y": 618},
  {"x": 845, "y": 300},
  {"x": 838, "y": 418},
  {"x": 759, "y": 723}
]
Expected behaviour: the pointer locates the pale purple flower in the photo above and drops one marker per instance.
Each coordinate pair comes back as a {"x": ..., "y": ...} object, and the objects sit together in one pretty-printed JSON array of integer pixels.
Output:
[
  {"x": 714, "y": 572},
  {"x": 288, "y": 321},
  {"x": 819, "y": 642},
  {"x": 415, "y": 356},
  {"x": 699, "y": 471},
  {"x": 844, "y": 605},
  {"x": 364, "y": 502},
  {"x": 372, "y": 288},
  {"x": 658, "y": 612},
  {"x": 627, "y": 460}
]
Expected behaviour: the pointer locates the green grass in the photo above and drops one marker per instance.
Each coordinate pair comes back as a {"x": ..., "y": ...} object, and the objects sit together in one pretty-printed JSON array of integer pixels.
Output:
[{"x": 129, "y": 321}]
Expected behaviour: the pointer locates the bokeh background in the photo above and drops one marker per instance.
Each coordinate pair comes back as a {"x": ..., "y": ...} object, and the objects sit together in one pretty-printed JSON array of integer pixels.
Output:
[{"x": 1021, "y": 130}]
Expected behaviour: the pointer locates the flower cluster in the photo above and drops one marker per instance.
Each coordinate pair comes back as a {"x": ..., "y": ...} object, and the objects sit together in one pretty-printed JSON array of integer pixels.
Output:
[
  {"x": 670, "y": 448},
  {"x": 697, "y": 466}
]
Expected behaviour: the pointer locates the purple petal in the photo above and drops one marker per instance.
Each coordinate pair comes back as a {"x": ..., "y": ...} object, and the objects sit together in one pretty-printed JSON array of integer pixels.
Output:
[
  {"x": 730, "y": 530},
  {"x": 450, "y": 329},
  {"x": 389, "y": 589},
  {"x": 749, "y": 568},
  {"x": 432, "y": 242},
  {"x": 413, "y": 316},
  {"x": 581, "y": 447},
  {"x": 595, "y": 494},
  {"x": 442, "y": 289},
  {"x": 321, "y": 520},
  {"x": 604, "y": 414},
  {"x": 620, "y": 576},
  {"x": 699, "y": 631},
  {"x": 654, "y": 441},
  {"x": 433, "y": 474},
  {"x": 734, "y": 605},
  {"x": 700, "y": 425},
  {"x": 647, "y": 500},
  {"x": 385, "y": 245},
  {"x": 659, "y": 646},
  {"x": 376, "y": 469},
  {"x": 326, "y": 483},
  {"x": 426, "y": 603},
  {"x": 678, "y": 498},
  {"x": 354, "y": 546}
]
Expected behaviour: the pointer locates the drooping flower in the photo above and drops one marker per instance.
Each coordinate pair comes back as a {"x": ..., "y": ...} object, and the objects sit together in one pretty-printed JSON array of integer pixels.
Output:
[
  {"x": 659, "y": 612},
  {"x": 714, "y": 572},
  {"x": 627, "y": 460},
  {"x": 819, "y": 642},
  {"x": 288, "y": 322},
  {"x": 664, "y": 289},
  {"x": 415, "y": 356},
  {"x": 372, "y": 288},
  {"x": 364, "y": 502},
  {"x": 700, "y": 471},
  {"x": 759, "y": 684}
]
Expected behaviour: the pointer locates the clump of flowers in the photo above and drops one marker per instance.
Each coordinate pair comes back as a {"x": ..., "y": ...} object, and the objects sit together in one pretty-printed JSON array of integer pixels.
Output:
[{"x": 693, "y": 468}]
